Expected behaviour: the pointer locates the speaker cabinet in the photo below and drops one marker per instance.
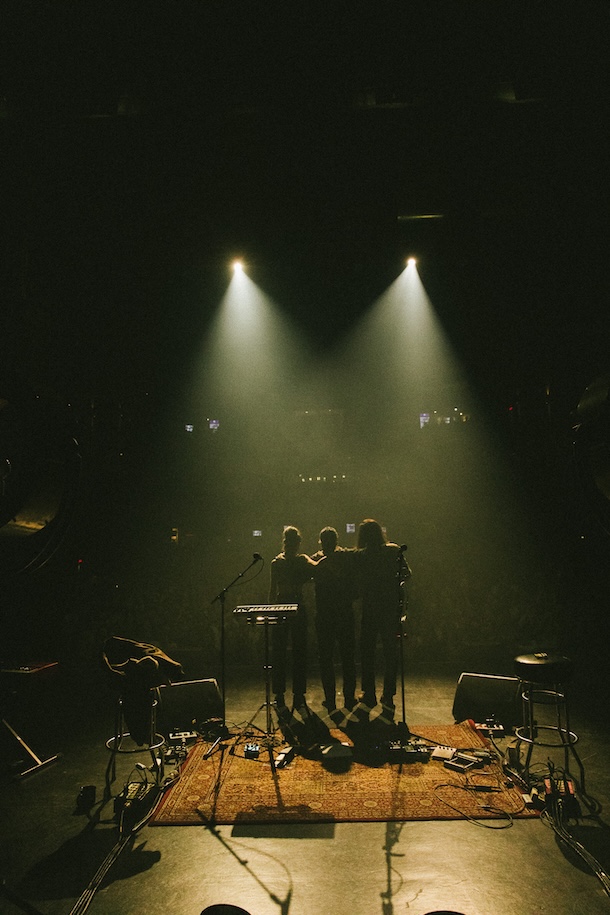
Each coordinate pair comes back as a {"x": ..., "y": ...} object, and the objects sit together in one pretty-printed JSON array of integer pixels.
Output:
[
  {"x": 485, "y": 696},
  {"x": 188, "y": 705}
]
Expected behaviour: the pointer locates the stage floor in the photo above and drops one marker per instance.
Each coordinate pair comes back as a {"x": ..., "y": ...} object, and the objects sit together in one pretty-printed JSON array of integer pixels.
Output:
[{"x": 49, "y": 851}]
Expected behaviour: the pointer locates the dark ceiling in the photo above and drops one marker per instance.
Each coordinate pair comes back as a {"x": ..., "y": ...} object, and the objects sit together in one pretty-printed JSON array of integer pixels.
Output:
[{"x": 145, "y": 144}]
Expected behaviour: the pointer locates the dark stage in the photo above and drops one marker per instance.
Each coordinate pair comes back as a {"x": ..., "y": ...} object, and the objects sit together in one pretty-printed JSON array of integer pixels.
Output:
[
  {"x": 51, "y": 850},
  {"x": 299, "y": 264}
]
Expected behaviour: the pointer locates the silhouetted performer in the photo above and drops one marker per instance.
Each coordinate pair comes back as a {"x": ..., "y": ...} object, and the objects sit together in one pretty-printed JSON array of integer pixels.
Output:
[
  {"x": 335, "y": 594},
  {"x": 289, "y": 572},
  {"x": 381, "y": 569}
]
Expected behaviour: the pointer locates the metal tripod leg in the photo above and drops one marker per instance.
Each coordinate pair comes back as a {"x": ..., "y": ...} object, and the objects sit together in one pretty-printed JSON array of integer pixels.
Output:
[{"x": 268, "y": 733}]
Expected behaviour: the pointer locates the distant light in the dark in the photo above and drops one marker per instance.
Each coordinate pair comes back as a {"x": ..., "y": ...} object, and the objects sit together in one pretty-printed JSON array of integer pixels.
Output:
[
  {"x": 238, "y": 266},
  {"x": 411, "y": 262},
  {"x": 257, "y": 533},
  {"x": 323, "y": 478},
  {"x": 189, "y": 427},
  {"x": 213, "y": 425},
  {"x": 412, "y": 217}
]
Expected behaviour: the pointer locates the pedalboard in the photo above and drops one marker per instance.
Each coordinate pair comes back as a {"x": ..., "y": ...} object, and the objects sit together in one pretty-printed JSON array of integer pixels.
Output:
[
  {"x": 410, "y": 751},
  {"x": 134, "y": 797}
]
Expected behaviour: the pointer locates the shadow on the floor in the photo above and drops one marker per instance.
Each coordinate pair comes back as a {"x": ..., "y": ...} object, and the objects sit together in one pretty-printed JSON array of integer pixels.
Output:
[
  {"x": 70, "y": 868},
  {"x": 593, "y": 841},
  {"x": 367, "y": 736},
  {"x": 284, "y": 830}
]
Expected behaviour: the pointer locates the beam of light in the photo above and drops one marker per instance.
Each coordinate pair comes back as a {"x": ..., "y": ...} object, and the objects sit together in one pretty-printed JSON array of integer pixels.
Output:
[
  {"x": 400, "y": 347},
  {"x": 430, "y": 457},
  {"x": 250, "y": 356},
  {"x": 246, "y": 374}
]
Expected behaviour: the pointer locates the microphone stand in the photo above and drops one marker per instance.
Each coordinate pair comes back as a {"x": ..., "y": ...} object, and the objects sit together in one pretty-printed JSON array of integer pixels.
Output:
[
  {"x": 403, "y": 727},
  {"x": 220, "y": 598}
]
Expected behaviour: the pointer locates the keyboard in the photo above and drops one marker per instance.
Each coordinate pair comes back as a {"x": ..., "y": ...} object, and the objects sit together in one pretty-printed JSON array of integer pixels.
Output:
[{"x": 266, "y": 613}]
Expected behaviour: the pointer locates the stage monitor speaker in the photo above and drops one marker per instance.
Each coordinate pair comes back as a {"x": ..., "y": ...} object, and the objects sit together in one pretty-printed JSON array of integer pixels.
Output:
[
  {"x": 188, "y": 705},
  {"x": 485, "y": 696}
]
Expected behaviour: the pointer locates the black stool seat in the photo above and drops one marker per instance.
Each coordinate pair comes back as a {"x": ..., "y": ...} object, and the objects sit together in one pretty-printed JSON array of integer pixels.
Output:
[{"x": 543, "y": 668}]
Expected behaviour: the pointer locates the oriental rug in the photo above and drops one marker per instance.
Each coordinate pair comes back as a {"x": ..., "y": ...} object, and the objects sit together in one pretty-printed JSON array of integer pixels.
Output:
[{"x": 229, "y": 788}]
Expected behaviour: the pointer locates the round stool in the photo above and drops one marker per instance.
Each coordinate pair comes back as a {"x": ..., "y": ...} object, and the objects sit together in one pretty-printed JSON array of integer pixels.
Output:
[
  {"x": 149, "y": 741},
  {"x": 542, "y": 677}
]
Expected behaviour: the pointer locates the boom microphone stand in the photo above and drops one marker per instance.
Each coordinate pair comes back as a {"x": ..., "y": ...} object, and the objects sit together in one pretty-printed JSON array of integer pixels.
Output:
[{"x": 220, "y": 598}]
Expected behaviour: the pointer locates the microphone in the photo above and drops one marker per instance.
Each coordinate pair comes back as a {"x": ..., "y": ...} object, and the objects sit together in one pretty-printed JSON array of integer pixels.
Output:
[{"x": 257, "y": 557}]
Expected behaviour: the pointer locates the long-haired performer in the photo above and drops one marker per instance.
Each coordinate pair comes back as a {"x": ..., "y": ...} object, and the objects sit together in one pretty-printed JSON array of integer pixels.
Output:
[{"x": 382, "y": 568}]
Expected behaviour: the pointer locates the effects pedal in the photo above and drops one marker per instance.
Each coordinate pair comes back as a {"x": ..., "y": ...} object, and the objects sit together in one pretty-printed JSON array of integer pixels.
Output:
[
  {"x": 181, "y": 736},
  {"x": 458, "y": 765},
  {"x": 474, "y": 761},
  {"x": 284, "y": 757},
  {"x": 443, "y": 752},
  {"x": 411, "y": 751}
]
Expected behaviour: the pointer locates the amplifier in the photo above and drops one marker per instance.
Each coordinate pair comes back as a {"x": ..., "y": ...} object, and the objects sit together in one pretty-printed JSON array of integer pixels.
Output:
[
  {"x": 188, "y": 705},
  {"x": 488, "y": 698}
]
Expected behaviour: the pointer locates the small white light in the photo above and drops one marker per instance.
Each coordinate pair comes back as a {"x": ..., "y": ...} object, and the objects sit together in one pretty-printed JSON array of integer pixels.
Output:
[{"x": 238, "y": 267}]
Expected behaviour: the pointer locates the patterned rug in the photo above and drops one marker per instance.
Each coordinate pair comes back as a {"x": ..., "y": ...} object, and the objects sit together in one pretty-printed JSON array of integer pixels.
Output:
[{"x": 365, "y": 785}]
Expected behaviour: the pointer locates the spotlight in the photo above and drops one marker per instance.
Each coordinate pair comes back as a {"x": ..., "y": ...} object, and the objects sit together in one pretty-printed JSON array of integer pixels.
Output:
[
  {"x": 411, "y": 261},
  {"x": 238, "y": 266}
]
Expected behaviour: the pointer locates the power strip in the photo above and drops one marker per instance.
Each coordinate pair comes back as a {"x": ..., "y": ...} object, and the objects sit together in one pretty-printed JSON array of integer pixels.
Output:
[{"x": 133, "y": 795}]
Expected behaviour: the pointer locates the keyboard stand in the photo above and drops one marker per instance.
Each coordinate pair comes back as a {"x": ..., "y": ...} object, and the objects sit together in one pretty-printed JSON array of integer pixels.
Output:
[
  {"x": 38, "y": 762},
  {"x": 268, "y": 738}
]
